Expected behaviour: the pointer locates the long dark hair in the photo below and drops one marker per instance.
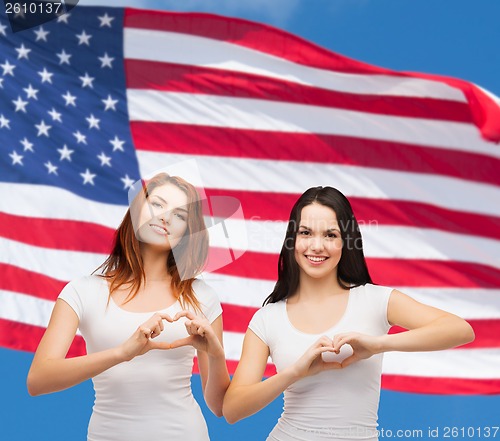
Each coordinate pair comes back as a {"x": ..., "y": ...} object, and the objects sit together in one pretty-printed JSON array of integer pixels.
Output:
[
  {"x": 352, "y": 269},
  {"x": 124, "y": 265}
]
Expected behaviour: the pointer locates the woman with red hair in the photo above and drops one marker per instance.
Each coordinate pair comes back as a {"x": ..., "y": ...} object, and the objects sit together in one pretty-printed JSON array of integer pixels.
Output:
[{"x": 142, "y": 319}]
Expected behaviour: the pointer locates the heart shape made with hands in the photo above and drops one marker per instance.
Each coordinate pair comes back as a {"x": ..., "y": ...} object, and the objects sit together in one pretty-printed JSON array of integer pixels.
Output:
[
  {"x": 174, "y": 320},
  {"x": 174, "y": 333},
  {"x": 345, "y": 351}
]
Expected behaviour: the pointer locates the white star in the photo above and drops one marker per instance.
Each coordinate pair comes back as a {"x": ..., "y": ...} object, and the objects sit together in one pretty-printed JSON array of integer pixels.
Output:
[
  {"x": 2, "y": 30},
  {"x": 105, "y": 20},
  {"x": 106, "y": 60},
  {"x": 19, "y": 14},
  {"x": 20, "y": 104},
  {"x": 46, "y": 75},
  {"x": 1, "y": 83},
  {"x": 56, "y": 116},
  {"x": 70, "y": 99},
  {"x": 16, "y": 159},
  {"x": 64, "y": 57},
  {"x": 4, "y": 122},
  {"x": 43, "y": 129},
  {"x": 117, "y": 143},
  {"x": 27, "y": 145},
  {"x": 65, "y": 153},
  {"x": 88, "y": 178},
  {"x": 93, "y": 122},
  {"x": 63, "y": 18},
  {"x": 8, "y": 69},
  {"x": 22, "y": 52},
  {"x": 105, "y": 160},
  {"x": 83, "y": 38},
  {"x": 87, "y": 80},
  {"x": 51, "y": 168},
  {"x": 31, "y": 92},
  {"x": 41, "y": 34},
  {"x": 110, "y": 103},
  {"x": 80, "y": 138},
  {"x": 127, "y": 182}
]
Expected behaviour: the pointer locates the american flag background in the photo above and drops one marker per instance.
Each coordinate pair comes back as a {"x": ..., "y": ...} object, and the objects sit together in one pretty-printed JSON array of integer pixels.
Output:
[{"x": 100, "y": 97}]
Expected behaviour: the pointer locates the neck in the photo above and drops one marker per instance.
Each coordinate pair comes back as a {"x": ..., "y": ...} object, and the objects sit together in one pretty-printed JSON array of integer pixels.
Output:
[
  {"x": 155, "y": 264},
  {"x": 318, "y": 288}
]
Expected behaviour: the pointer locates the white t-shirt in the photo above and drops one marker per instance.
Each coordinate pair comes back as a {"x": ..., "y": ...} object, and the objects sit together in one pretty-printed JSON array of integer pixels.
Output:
[
  {"x": 340, "y": 404},
  {"x": 150, "y": 396}
]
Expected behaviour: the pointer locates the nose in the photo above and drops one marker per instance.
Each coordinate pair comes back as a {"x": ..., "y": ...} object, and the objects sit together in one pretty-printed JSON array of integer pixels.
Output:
[
  {"x": 316, "y": 244},
  {"x": 165, "y": 217}
]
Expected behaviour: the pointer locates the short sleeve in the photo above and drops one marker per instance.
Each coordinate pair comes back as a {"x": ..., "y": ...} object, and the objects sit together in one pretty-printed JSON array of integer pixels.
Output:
[
  {"x": 71, "y": 295},
  {"x": 258, "y": 325},
  {"x": 380, "y": 296},
  {"x": 209, "y": 301}
]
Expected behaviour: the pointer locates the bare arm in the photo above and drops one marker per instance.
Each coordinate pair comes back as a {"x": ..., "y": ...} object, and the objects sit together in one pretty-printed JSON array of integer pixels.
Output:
[
  {"x": 213, "y": 372},
  {"x": 247, "y": 393},
  {"x": 429, "y": 329},
  {"x": 52, "y": 372}
]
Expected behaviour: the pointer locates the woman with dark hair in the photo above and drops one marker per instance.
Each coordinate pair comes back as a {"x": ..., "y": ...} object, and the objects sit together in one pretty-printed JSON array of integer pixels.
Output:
[
  {"x": 325, "y": 327},
  {"x": 140, "y": 360}
]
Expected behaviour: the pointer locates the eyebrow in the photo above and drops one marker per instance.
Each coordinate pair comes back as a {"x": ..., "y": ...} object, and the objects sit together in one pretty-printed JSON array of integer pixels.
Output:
[
  {"x": 326, "y": 231},
  {"x": 166, "y": 203}
]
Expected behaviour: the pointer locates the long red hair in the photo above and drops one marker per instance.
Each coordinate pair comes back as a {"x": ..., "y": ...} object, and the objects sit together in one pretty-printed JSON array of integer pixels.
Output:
[{"x": 124, "y": 266}]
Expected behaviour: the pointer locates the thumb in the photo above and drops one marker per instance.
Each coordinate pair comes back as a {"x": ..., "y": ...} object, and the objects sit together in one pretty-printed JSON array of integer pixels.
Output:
[
  {"x": 153, "y": 344},
  {"x": 349, "y": 360},
  {"x": 187, "y": 341}
]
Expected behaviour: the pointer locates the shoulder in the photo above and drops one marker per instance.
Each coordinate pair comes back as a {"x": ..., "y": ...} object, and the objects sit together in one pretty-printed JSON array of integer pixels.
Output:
[
  {"x": 270, "y": 310},
  {"x": 204, "y": 292},
  {"x": 83, "y": 285},
  {"x": 266, "y": 322},
  {"x": 372, "y": 291},
  {"x": 82, "y": 292},
  {"x": 372, "y": 303},
  {"x": 86, "y": 282},
  {"x": 209, "y": 301}
]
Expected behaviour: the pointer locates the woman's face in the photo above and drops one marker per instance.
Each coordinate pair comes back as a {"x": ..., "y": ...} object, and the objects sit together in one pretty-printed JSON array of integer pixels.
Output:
[
  {"x": 163, "y": 218},
  {"x": 318, "y": 245}
]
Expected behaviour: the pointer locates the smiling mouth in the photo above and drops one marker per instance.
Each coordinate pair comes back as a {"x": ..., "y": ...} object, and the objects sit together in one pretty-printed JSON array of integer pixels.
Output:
[
  {"x": 316, "y": 259},
  {"x": 159, "y": 229}
]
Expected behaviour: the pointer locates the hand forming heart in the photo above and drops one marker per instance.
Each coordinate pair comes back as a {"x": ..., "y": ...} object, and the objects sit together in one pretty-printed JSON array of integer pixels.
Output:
[
  {"x": 201, "y": 336},
  {"x": 344, "y": 352},
  {"x": 362, "y": 346},
  {"x": 141, "y": 341}
]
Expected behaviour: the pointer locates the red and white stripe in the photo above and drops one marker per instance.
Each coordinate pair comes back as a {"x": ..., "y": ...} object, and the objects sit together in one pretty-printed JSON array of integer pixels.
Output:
[{"x": 266, "y": 115}]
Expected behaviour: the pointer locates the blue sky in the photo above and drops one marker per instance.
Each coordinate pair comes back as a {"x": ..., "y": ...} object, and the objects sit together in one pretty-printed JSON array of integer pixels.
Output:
[{"x": 458, "y": 38}]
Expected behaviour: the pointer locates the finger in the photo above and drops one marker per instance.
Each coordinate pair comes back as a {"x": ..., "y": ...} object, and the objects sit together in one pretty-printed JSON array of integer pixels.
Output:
[
  {"x": 184, "y": 313},
  {"x": 155, "y": 332},
  {"x": 192, "y": 327},
  {"x": 187, "y": 341},
  {"x": 201, "y": 331},
  {"x": 321, "y": 349},
  {"x": 159, "y": 345},
  {"x": 324, "y": 341},
  {"x": 166, "y": 317},
  {"x": 340, "y": 340},
  {"x": 349, "y": 360},
  {"x": 145, "y": 331},
  {"x": 327, "y": 365}
]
